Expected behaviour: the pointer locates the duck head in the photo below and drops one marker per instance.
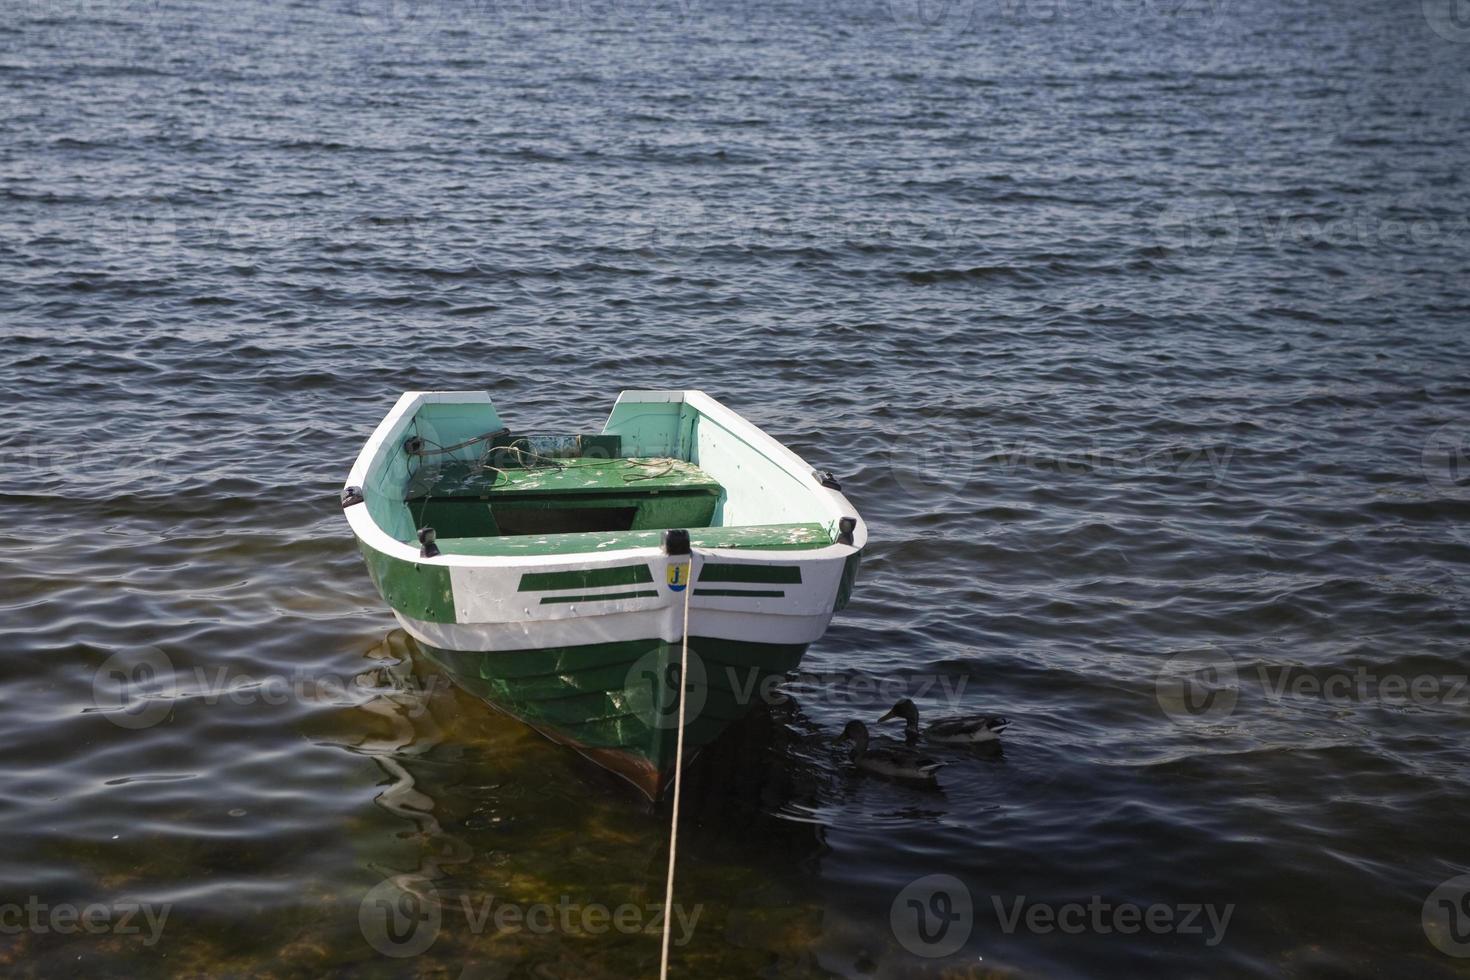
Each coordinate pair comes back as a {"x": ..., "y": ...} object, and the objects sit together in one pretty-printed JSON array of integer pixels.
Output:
[
  {"x": 904, "y": 709},
  {"x": 856, "y": 733}
]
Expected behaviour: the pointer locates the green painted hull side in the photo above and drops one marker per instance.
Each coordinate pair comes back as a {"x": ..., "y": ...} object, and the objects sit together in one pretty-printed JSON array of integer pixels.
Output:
[
  {"x": 622, "y": 696},
  {"x": 422, "y": 592}
]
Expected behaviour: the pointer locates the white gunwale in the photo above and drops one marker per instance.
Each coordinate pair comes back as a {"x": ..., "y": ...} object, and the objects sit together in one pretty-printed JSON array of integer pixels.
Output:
[{"x": 834, "y": 504}]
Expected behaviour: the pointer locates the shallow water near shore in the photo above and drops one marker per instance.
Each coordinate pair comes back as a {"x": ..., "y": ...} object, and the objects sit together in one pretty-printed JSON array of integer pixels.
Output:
[{"x": 1137, "y": 333}]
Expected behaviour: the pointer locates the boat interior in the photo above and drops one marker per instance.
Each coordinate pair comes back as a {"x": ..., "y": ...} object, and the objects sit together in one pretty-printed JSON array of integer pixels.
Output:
[
  {"x": 483, "y": 488},
  {"x": 528, "y": 484}
]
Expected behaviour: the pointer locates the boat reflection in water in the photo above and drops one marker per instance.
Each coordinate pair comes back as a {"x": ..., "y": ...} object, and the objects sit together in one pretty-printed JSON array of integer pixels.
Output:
[{"x": 488, "y": 816}]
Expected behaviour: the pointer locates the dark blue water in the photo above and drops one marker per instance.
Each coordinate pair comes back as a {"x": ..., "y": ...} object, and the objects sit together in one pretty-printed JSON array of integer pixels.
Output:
[{"x": 1136, "y": 330}]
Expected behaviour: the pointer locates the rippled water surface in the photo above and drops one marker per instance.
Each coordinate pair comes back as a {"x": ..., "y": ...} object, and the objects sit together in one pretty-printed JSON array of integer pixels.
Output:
[{"x": 1137, "y": 332}]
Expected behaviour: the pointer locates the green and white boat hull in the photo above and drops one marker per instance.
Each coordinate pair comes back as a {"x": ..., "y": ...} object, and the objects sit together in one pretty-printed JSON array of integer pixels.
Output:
[{"x": 578, "y": 634}]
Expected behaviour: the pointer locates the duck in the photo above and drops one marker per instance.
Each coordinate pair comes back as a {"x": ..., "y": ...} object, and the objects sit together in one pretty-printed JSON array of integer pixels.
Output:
[
  {"x": 962, "y": 729},
  {"x": 896, "y": 763}
]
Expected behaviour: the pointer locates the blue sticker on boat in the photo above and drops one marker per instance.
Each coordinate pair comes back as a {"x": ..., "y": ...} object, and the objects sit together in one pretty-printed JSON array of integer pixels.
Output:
[{"x": 678, "y": 577}]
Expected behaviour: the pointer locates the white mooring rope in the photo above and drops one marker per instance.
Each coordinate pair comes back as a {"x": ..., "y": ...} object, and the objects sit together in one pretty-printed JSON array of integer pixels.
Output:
[{"x": 663, "y": 963}]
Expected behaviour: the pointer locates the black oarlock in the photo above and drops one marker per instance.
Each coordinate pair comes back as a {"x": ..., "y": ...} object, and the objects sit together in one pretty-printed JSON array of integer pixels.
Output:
[{"x": 826, "y": 479}]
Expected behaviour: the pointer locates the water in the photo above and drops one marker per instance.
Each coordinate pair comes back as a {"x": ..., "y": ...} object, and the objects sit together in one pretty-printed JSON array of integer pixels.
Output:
[{"x": 1136, "y": 331}]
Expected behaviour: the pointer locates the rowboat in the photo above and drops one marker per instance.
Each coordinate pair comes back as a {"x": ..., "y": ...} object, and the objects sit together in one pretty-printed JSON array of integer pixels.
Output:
[{"x": 552, "y": 575}]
